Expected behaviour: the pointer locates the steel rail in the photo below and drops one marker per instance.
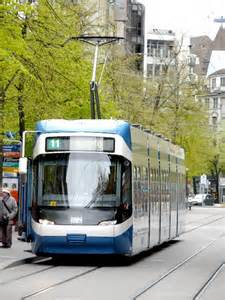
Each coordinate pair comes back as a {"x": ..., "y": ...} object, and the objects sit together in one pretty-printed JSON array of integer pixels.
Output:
[
  {"x": 173, "y": 269},
  {"x": 179, "y": 265},
  {"x": 59, "y": 283},
  {"x": 204, "y": 224},
  {"x": 202, "y": 290}
]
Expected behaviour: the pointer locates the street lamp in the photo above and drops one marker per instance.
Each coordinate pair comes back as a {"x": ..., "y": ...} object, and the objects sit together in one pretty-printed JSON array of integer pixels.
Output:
[{"x": 96, "y": 41}]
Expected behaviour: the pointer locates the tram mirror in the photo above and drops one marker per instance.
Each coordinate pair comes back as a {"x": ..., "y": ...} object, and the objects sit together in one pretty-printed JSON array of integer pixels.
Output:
[
  {"x": 23, "y": 165},
  {"x": 126, "y": 163}
]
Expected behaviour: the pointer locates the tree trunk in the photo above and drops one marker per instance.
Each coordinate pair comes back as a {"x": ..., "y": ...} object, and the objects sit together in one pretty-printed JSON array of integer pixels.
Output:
[
  {"x": 2, "y": 103},
  {"x": 20, "y": 105},
  {"x": 217, "y": 188},
  {"x": 3, "y": 91}
]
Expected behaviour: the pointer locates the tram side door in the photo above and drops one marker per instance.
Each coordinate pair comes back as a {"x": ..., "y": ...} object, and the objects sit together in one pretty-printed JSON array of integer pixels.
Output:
[
  {"x": 25, "y": 204},
  {"x": 154, "y": 196},
  {"x": 149, "y": 194},
  {"x": 140, "y": 191}
]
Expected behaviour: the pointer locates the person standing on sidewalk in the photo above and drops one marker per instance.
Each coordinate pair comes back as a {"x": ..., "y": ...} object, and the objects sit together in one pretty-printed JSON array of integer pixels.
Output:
[{"x": 8, "y": 211}]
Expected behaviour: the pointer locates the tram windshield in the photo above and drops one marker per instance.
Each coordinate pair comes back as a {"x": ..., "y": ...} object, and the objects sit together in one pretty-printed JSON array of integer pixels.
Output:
[{"x": 81, "y": 180}]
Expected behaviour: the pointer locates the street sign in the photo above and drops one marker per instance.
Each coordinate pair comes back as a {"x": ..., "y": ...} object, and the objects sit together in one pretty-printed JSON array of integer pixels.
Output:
[{"x": 11, "y": 148}]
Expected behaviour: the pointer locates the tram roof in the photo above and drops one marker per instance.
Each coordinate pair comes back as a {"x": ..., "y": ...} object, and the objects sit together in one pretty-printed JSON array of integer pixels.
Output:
[{"x": 119, "y": 127}]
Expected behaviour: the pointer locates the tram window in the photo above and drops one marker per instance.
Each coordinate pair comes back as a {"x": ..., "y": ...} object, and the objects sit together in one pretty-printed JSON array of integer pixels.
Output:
[
  {"x": 126, "y": 184},
  {"x": 145, "y": 173},
  {"x": 111, "y": 187},
  {"x": 157, "y": 177},
  {"x": 79, "y": 180},
  {"x": 53, "y": 181},
  {"x": 35, "y": 174},
  {"x": 134, "y": 173},
  {"x": 138, "y": 173},
  {"x": 146, "y": 169},
  {"x": 151, "y": 174},
  {"x": 162, "y": 176}
]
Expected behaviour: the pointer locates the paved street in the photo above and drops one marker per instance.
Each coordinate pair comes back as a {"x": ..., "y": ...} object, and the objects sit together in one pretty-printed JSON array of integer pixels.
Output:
[{"x": 191, "y": 267}]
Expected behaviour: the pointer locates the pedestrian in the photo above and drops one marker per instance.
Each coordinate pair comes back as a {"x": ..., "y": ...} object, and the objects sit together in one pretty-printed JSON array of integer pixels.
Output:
[{"x": 8, "y": 211}]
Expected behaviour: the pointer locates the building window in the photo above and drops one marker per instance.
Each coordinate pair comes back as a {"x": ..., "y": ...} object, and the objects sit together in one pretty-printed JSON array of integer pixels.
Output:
[
  {"x": 215, "y": 103},
  {"x": 151, "y": 48},
  {"x": 213, "y": 83},
  {"x": 157, "y": 70},
  {"x": 222, "y": 81},
  {"x": 157, "y": 49},
  {"x": 149, "y": 70},
  {"x": 207, "y": 103},
  {"x": 214, "y": 121},
  {"x": 223, "y": 108}
]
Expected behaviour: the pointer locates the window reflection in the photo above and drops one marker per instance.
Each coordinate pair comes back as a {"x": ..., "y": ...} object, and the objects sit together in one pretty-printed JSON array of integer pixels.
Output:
[{"x": 80, "y": 180}]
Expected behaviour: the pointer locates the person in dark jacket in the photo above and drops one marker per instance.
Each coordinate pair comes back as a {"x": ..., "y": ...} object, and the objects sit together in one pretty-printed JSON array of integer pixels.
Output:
[{"x": 8, "y": 211}]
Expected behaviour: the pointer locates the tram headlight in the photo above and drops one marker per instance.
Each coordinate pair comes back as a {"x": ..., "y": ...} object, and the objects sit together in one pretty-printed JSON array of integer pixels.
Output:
[
  {"x": 46, "y": 222},
  {"x": 105, "y": 223}
]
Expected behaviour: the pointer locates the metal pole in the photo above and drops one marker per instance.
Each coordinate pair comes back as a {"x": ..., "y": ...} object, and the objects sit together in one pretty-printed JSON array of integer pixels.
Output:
[
  {"x": 95, "y": 63},
  {"x": 92, "y": 99},
  {"x": 96, "y": 41},
  {"x": 97, "y": 103},
  {"x": 24, "y": 140}
]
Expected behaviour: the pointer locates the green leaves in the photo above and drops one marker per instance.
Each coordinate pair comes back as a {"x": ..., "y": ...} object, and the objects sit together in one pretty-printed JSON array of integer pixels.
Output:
[
  {"x": 43, "y": 77},
  {"x": 55, "y": 78}
]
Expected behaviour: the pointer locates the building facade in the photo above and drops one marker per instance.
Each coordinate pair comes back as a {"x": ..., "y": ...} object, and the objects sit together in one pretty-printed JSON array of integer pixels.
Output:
[
  {"x": 120, "y": 18},
  {"x": 159, "y": 46},
  {"x": 211, "y": 65}
]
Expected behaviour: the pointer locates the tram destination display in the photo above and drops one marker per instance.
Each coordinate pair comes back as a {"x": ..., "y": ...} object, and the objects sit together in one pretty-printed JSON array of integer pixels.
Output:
[{"x": 80, "y": 143}]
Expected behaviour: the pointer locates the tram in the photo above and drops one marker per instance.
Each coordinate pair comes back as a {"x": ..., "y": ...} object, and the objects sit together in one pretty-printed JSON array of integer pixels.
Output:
[{"x": 100, "y": 187}]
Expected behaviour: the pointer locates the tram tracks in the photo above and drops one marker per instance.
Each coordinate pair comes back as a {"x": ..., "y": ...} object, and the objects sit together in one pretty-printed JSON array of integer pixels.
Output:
[
  {"x": 37, "y": 261},
  {"x": 146, "y": 288},
  {"x": 37, "y": 293},
  {"x": 26, "y": 275},
  {"x": 31, "y": 275},
  {"x": 202, "y": 225},
  {"x": 138, "y": 294},
  {"x": 149, "y": 286},
  {"x": 203, "y": 289},
  {"x": 172, "y": 270}
]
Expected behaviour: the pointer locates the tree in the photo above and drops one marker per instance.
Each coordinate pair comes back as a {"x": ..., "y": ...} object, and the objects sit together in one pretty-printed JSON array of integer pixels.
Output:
[
  {"x": 10, "y": 43},
  {"x": 165, "y": 104},
  {"x": 52, "y": 80}
]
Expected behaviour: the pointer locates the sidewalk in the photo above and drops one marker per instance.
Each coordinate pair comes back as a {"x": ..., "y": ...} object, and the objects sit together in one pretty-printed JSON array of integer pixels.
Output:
[{"x": 19, "y": 253}]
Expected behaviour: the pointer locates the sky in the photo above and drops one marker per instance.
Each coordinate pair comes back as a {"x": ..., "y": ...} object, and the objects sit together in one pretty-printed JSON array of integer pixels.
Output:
[{"x": 187, "y": 17}]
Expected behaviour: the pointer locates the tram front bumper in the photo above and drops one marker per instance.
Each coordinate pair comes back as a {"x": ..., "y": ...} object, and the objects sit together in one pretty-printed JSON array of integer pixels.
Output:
[{"x": 82, "y": 244}]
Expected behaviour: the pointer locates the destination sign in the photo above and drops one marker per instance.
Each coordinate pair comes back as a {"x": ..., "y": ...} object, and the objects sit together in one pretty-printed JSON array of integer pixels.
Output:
[{"x": 80, "y": 143}]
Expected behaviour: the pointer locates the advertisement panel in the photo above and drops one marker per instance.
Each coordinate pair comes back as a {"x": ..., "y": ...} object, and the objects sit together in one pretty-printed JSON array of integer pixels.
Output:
[{"x": 10, "y": 168}]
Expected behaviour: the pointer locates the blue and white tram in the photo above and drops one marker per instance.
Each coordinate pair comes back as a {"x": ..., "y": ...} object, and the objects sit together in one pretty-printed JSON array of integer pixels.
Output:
[{"x": 101, "y": 187}]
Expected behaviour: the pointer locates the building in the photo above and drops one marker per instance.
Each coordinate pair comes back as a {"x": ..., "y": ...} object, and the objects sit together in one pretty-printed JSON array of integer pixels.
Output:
[
  {"x": 215, "y": 99},
  {"x": 159, "y": 45},
  {"x": 135, "y": 27},
  {"x": 121, "y": 18},
  {"x": 211, "y": 65},
  {"x": 203, "y": 47}
]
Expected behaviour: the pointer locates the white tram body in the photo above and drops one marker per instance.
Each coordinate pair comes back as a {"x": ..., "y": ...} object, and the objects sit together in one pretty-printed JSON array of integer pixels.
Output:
[{"x": 102, "y": 187}]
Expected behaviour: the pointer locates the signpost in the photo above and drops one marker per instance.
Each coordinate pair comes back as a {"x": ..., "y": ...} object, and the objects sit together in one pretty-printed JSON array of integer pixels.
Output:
[{"x": 10, "y": 168}]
